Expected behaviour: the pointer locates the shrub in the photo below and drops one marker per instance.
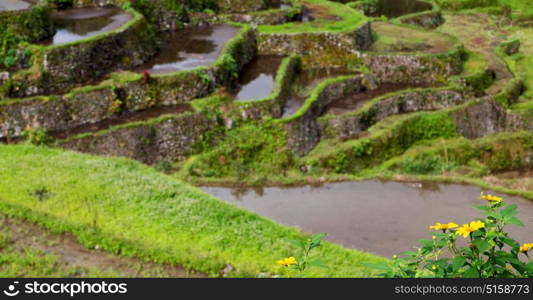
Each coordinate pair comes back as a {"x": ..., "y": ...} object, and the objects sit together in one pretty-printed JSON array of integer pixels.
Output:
[
  {"x": 425, "y": 165},
  {"x": 37, "y": 137},
  {"x": 302, "y": 261},
  {"x": 490, "y": 251}
]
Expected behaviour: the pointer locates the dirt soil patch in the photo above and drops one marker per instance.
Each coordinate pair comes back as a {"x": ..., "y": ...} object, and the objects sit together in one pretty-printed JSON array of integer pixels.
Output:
[{"x": 70, "y": 252}]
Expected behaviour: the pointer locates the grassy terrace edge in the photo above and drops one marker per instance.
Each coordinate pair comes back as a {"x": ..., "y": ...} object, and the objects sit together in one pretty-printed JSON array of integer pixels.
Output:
[
  {"x": 128, "y": 76},
  {"x": 130, "y": 209},
  {"x": 351, "y": 19}
]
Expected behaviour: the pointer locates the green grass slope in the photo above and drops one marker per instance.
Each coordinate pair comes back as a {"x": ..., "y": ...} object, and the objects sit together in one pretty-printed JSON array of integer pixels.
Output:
[{"x": 130, "y": 209}]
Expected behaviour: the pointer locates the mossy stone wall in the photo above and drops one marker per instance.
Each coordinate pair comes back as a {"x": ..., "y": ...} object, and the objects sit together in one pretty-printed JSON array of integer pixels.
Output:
[
  {"x": 351, "y": 124},
  {"x": 168, "y": 139},
  {"x": 415, "y": 68},
  {"x": 327, "y": 49},
  {"x": 303, "y": 132}
]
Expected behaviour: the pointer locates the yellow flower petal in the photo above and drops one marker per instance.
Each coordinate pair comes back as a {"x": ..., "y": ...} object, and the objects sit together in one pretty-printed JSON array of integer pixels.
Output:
[{"x": 526, "y": 247}]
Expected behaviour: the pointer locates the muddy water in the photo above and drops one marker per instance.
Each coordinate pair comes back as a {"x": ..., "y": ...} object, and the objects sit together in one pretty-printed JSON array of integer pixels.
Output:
[
  {"x": 257, "y": 80},
  {"x": 357, "y": 100},
  {"x": 304, "y": 84},
  {"x": 81, "y": 23},
  {"x": 14, "y": 5},
  {"x": 385, "y": 218},
  {"x": 396, "y": 8},
  {"x": 189, "y": 48},
  {"x": 141, "y": 115}
]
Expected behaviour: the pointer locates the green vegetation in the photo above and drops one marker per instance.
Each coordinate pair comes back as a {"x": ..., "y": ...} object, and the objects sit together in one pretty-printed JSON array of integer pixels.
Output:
[
  {"x": 243, "y": 153},
  {"x": 490, "y": 253},
  {"x": 465, "y": 4},
  {"x": 31, "y": 262},
  {"x": 132, "y": 210},
  {"x": 403, "y": 38},
  {"x": 331, "y": 17},
  {"x": 19, "y": 28},
  {"x": 520, "y": 63},
  {"x": 386, "y": 139}
]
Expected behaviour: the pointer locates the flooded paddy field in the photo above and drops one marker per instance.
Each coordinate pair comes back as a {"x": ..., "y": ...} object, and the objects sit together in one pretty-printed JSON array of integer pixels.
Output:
[
  {"x": 385, "y": 218},
  {"x": 352, "y": 105},
  {"x": 9, "y": 5},
  {"x": 189, "y": 48},
  {"x": 77, "y": 24},
  {"x": 258, "y": 78},
  {"x": 304, "y": 84},
  {"x": 357, "y": 100}
]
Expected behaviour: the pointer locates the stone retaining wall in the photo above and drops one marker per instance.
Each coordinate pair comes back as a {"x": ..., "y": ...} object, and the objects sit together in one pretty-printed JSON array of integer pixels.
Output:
[
  {"x": 65, "y": 66},
  {"x": 415, "y": 68},
  {"x": 484, "y": 118},
  {"x": 303, "y": 131},
  {"x": 351, "y": 124},
  {"x": 328, "y": 48},
  {"x": 170, "y": 138},
  {"x": 94, "y": 104},
  {"x": 273, "y": 105}
]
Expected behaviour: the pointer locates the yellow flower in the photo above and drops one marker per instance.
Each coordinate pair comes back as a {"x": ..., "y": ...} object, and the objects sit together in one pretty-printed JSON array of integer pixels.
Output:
[
  {"x": 526, "y": 247},
  {"x": 287, "y": 262},
  {"x": 439, "y": 226},
  {"x": 466, "y": 229},
  {"x": 491, "y": 198}
]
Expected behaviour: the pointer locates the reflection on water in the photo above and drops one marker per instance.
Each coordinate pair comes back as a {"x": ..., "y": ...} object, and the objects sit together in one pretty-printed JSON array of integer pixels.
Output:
[
  {"x": 385, "y": 218},
  {"x": 357, "y": 100},
  {"x": 257, "y": 79},
  {"x": 304, "y": 84},
  {"x": 189, "y": 48},
  {"x": 81, "y": 23}
]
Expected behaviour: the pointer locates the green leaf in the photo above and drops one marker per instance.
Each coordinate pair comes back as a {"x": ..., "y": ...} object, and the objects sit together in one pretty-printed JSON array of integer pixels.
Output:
[
  {"x": 481, "y": 245},
  {"x": 471, "y": 273},
  {"x": 482, "y": 207},
  {"x": 458, "y": 262},
  {"x": 409, "y": 253},
  {"x": 317, "y": 263},
  {"x": 317, "y": 238},
  {"x": 378, "y": 266},
  {"x": 509, "y": 241},
  {"x": 425, "y": 243},
  {"x": 297, "y": 243},
  {"x": 509, "y": 211},
  {"x": 515, "y": 221},
  {"x": 529, "y": 267}
]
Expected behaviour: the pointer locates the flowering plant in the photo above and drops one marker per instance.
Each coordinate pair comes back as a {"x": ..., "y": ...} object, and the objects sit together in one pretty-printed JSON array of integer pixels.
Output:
[
  {"x": 302, "y": 261},
  {"x": 489, "y": 250}
]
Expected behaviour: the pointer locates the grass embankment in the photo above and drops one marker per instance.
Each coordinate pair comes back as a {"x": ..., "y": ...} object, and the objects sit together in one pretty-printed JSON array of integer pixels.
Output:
[
  {"x": 518, "y": 8},
  {"x": 521, "y": 62},
  {"x": 480, "y": 36},
  {"x": 403, "y": 38},
  {"x": 329, "y": 17},
  {"x": 130, "y": 209}
]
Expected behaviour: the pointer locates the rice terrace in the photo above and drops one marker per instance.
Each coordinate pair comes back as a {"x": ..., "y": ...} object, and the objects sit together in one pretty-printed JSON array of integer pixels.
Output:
[{"x": 266, "y": 138}]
